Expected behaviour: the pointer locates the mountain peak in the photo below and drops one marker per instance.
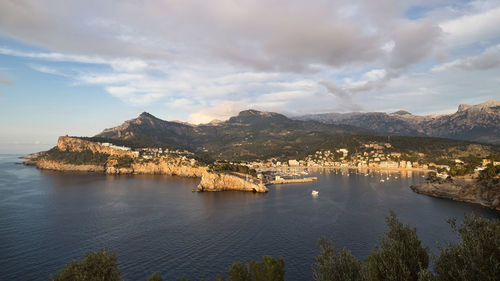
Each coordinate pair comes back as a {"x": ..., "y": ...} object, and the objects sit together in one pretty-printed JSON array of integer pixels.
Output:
[
  {"x": 481, "y": 106},
  {"x": 146, "y": 115},
  {"x": 253, "y": 112},
  {"x": 252, "y": 115},
  {"x": 463, "y": 107},
  {"x": 401, "y": 112}
]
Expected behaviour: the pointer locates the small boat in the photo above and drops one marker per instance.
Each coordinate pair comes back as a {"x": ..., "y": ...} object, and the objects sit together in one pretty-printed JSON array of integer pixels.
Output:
[
  {"x": 315, "y": 193},
  {"x": 382, "y": 180}
]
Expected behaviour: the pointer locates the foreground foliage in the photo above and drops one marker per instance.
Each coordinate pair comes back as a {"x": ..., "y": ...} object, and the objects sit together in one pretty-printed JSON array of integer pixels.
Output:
[
  {"x": 94, "y": 266},
  {"x": 399, "y": 256},
  {"x": 476, "y": 257}
]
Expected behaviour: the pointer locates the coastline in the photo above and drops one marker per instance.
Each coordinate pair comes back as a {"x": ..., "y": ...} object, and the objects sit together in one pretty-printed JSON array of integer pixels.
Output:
[
  {"x": 468, "y": 191},
  {"x": 347, "y": 168}
]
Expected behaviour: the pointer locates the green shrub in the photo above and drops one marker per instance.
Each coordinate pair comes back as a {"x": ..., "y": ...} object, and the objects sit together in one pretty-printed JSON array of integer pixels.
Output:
[
  {"x": 269, "y": 269},
  {"x": 332, "y": 265},
  {"x": 227, "y": 167},
  {"x": 476, "y": 256},
  {"x": 400, "y": 255},
  {"x": 124, "y": 161},
  {"x": 94, "y": 266},
  {"x": 155, "y": 277}
]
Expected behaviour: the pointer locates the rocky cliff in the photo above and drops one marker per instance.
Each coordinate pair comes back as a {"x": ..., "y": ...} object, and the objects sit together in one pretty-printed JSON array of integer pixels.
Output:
[
  {"x": 170, "y": 164},
  {"x": 484, "y": 193},
  {"x": 160, "y": 167},
  {"x": 59, "y": 166},
  {"x": 222, "y": 182},
  {"x": 66, "y": 143},
  {"x": 165, "y": 168}
]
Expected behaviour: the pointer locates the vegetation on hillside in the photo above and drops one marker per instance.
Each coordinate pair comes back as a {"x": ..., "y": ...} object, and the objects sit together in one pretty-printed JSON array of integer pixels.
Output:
[
  {"x": 123, "y": 161},
  {"x": 84, "y": 157},
  {"x": 229, "y": 167},
  {"x": 490, "y": 173},
  {"x": 254, "y": 135},
  {"x": 398, "y": 256}
]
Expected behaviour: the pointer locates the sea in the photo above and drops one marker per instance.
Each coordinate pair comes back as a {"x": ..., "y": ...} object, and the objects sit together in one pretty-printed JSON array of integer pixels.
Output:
[{"x": 157, "y": 224}]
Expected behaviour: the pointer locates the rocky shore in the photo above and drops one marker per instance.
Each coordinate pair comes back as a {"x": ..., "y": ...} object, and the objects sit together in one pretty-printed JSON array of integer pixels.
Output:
[
  {"x": 486, "y": 193},
  {"x": 171, "y": 165},
  {"x": 221, "y": 182}
]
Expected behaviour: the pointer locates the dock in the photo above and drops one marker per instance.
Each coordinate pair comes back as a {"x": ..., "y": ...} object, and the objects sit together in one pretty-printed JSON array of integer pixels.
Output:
[{"x": 285, "y": 181}]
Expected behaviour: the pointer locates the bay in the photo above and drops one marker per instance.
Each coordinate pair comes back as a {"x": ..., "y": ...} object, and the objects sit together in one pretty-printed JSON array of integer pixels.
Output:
[{"x": 156, "y": 224}]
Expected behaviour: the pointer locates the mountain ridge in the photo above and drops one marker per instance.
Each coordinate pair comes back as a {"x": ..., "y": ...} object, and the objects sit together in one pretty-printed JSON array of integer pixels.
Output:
[
  {"x": 470, "y": 122},
  {"x": 251, "y": 133}
]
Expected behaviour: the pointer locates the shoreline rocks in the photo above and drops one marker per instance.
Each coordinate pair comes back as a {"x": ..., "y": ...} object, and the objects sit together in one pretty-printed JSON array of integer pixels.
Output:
[
  {"x": 484, "y": 193},
  {"x": 209, "y": 181},
  {"x": 221, "y": 182}
]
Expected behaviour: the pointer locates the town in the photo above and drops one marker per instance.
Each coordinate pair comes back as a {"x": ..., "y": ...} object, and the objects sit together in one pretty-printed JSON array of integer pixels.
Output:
[{"x": 367, "y": 156}]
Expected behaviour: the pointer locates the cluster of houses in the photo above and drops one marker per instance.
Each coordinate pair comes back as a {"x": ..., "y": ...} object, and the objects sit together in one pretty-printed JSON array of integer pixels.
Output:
[
  {"x": 374, "y": 155},
  {"x": 149, "y": 153}
]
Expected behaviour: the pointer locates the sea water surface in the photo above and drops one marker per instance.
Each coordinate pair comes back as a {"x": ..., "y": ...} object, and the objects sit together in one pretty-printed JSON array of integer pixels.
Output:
[{"x": 156, "y": 224}]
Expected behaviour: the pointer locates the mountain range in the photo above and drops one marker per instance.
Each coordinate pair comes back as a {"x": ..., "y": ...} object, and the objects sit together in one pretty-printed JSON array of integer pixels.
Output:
[
  {"x": 250, "y": 134},
  {"x": 254, "y": 134},
  {"x": 480, "y": 123}
]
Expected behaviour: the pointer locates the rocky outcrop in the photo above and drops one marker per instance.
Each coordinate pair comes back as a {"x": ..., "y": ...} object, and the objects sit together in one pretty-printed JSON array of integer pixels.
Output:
[
  {"x": 484, "y": 193},
  {"x": 165, "y": 168},
  {"x": 221, "y": 182},
  {"x": 161, "y": 165},
  {"x": 209, "y": 181},
  {"x": 154, "y": 168},
  {"x": 58, "y": 166},
  {"x": 66, "y": 143},
  {"x": 34, "y": 156}
]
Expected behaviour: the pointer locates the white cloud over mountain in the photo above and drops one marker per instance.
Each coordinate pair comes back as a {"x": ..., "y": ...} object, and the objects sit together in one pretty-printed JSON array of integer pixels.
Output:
[{"x": 212, "y": 58}]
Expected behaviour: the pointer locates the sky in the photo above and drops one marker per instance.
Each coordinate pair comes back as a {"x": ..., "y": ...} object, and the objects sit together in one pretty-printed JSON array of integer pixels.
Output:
[{"x": 77, "y": 67}]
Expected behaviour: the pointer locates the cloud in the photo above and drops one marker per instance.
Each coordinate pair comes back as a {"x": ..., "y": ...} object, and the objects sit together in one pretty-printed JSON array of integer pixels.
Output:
[
  {"x": 375, "y": 79},
  {"x": 109, "y": 78},
  {"x": 53, "y": 56},
  {"x": 286, "y": 37},
  {"x": 46, "y": 69},
  {"x": 488, "y": 59},
  {"x": 221, "y": 111},
  {"x": 412, "y": 43},
  {"x": 281, "y": 55},
  {"x": 473, "y": 28}
]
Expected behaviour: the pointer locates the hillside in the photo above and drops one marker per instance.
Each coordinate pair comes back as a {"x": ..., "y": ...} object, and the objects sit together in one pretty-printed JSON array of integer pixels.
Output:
[
  {"x": 249, "y": 135},
  {"x": 479, "y": 123},
  {"x": 253, "y": 135}
]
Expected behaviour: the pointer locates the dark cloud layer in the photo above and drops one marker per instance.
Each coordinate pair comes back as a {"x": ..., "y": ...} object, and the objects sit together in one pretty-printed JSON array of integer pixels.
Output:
[{"x": 263, "y": 35}]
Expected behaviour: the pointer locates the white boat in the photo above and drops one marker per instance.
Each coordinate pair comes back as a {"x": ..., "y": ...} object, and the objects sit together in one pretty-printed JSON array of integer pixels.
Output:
[
  {"x": 382, "y": 180},
  {"x": 315, "y": 193}
]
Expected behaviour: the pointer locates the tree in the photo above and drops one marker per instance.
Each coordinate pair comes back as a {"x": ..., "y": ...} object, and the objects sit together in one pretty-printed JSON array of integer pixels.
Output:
[
  {"x": 155, "y": 277},
  {"x": 269, "y": 269},
  {"x": 238, "y": 272},
  {"x": 94, "y": 266},
  {"x": 332, "y": 265},
  {"x": 400, "y": 255},
  {"x": 476, "y": 256}
]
